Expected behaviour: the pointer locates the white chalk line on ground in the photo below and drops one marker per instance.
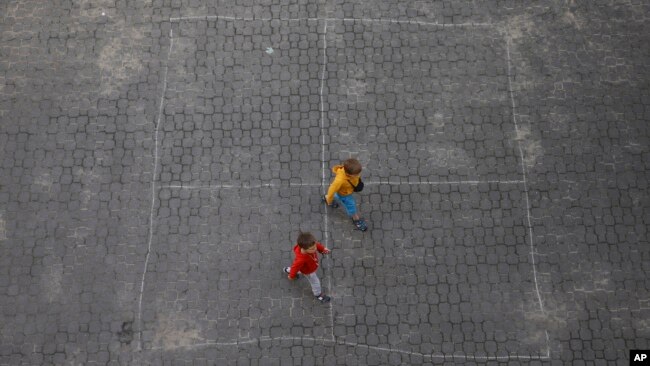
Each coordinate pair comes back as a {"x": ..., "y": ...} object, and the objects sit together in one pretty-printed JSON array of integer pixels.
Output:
[
  {"x": 366, "y": 20},
  {"x": 323, "y": 169},
  {"x": 523, "y": 172},
  {"x": 368, "y": 183},
  {"x": 441, "y": 183},
  {"x": 153, "y": 191},
  {"x": 355, "y": 344}
]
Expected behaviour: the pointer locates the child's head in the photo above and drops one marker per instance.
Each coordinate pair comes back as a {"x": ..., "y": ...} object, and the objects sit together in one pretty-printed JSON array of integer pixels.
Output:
[
  {"x": 352, "y": 167},
  {"x": 306, "y": 240}
]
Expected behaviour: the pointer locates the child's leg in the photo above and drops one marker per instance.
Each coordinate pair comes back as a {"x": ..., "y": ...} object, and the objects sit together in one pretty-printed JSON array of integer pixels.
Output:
[
  {"x": 349, "y": 204},
  {"x": 314, "y": 282}
]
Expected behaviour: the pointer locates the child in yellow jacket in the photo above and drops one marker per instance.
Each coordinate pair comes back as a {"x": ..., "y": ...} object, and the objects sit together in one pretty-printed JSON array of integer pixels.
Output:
[{"x": 346, "y": 181}]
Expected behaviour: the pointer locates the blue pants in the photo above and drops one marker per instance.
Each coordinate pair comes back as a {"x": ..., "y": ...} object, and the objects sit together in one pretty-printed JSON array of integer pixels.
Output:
[{"x": 348, "y": 203}]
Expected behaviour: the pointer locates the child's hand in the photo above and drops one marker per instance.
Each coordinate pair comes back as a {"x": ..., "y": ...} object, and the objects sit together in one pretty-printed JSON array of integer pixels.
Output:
[
  {"x": 290, "y": 279},
  {"x": 326, "y": 251}
]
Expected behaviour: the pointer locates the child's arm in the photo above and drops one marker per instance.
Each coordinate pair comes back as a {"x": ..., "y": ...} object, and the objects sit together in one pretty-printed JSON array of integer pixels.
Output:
[
  {"x": 295, "y": 267},
  {"x": 334, "y": 187},
  {"x": 322, "y": 249}
]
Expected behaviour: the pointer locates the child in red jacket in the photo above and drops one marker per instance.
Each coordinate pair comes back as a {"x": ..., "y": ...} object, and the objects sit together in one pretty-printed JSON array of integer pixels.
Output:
[{"x": 306, "y": 263}]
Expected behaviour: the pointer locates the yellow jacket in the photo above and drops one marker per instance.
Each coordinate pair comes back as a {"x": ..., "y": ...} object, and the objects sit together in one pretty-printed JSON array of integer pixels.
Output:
[{"x": 341, "y": 183}]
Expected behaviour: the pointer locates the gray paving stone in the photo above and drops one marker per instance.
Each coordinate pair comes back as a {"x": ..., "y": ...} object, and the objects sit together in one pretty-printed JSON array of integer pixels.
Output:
[{"x": 445, "y": 273}]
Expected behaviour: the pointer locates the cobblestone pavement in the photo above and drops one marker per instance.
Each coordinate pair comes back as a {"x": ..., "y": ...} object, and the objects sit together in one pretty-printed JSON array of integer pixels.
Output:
[{"x": 158, "y": 158}]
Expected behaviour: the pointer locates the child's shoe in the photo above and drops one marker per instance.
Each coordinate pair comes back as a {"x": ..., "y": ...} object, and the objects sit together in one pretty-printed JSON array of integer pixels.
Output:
[
  {"x": 360, "y": 224},
  {"x": 323, "y": 298},
  {"x": 333, "y": 205},
  {"x": 287, "y": 270}
]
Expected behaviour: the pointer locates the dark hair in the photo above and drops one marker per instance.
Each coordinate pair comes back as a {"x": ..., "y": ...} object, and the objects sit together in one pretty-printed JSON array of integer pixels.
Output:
[
  {"x": 306, "y": 240},
  {"x": 352, "y": 166}
]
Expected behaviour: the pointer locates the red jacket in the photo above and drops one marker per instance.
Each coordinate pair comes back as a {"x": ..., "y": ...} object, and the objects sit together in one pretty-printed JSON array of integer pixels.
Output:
[{"x": 305, "y": 263}]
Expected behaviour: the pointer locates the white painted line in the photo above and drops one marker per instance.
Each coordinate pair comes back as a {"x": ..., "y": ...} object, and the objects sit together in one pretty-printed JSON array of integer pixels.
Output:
[
  {"x": 221, "y": 186},
  {"x": 366, "y": 20},
  {"x": 208, "y": 344},
  {"x": 446, "y": 356},
  {"x": 243, "y": 19},
  {"x": 323, "y": 164},
  {"x": 397, "y": 21},
  {"x": 359, "y": 345},
  {"x": 324, "y": 183},
  {"x": 440, "y": 183},
  {"x": 523, "y": 172},
  {"x": 213, "y": 17},
  {"x": 322, "y": 119},
  {"x": 138, "y": 319},
  {"x": 240, "y": 186}
]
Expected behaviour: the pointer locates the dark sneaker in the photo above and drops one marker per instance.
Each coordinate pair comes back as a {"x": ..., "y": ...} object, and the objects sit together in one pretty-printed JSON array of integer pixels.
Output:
[
  {"x": 323, "y": 298},
  {"x": 333, "y": 205},
  {"x": 287, "y": 270},
  {"x": 360, "y": 224}
]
